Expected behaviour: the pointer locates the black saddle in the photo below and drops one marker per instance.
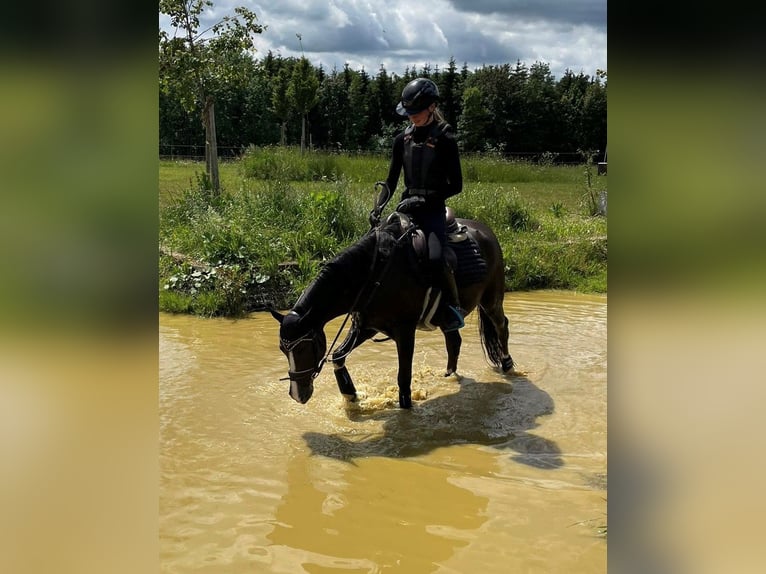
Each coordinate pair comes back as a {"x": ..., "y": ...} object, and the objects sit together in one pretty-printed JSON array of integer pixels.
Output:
[{"x": 461, "y": 252}]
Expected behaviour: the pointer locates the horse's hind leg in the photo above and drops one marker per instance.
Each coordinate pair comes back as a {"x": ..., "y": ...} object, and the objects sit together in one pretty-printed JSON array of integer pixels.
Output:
[
  {"x": 507, "y": 360},
  {"x": 354, "y": 338},
  {"x": 453, "y": 340},
  {"x": 496, "y": 338}
]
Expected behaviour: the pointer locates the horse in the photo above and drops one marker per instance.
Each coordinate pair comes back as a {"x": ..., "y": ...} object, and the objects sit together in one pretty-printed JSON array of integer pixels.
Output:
[{"x": 381, "y": 282}]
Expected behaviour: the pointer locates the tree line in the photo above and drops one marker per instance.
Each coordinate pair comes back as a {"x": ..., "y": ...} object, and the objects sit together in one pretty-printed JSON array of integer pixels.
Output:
[
  {"x": 507, "y": 109},
  {"x": 502, "y": 108}
]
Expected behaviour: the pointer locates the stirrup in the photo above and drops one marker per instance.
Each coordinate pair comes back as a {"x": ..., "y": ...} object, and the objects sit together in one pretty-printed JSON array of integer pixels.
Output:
[{"x": 456, "y": 323}]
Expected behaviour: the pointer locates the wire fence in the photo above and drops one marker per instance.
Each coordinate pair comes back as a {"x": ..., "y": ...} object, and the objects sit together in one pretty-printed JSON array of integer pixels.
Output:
[{"x": 192, "y": 152}]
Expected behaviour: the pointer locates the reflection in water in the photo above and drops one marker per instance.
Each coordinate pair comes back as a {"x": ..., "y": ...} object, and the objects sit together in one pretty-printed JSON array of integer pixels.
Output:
[
  {"x": 487, "y": 473},
  {"x": 497, "y": 414},
  {"x": 376, "y": 515}
]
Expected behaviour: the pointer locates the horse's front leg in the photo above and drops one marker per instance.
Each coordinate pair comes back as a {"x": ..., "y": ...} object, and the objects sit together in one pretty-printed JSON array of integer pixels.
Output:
[
  {"x": 354, "y": 338},
  {"x": 405, "y": 346},
  {"x": 453, "y": 341}
]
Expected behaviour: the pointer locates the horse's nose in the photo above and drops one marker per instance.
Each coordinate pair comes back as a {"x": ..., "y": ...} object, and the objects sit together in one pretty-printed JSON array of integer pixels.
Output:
[{"x": 301, "y": 393}]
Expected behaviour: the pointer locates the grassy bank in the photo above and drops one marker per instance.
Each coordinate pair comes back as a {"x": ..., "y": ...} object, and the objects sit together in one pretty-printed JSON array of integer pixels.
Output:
[{"x": 281, "y": 214}]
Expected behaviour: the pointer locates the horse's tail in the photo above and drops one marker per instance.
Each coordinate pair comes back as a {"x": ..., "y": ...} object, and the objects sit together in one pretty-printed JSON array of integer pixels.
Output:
[{"x": 490, "y": 341}]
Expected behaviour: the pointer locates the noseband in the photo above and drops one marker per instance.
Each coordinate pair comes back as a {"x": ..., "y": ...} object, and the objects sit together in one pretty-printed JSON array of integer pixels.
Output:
[{"x": 289, "y": 346}]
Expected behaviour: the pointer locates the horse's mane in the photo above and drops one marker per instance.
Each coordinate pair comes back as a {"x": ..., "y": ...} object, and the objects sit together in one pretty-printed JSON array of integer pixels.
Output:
[
  {"x": 338, "y": 274},
  {"x": 350, "y": 268}
]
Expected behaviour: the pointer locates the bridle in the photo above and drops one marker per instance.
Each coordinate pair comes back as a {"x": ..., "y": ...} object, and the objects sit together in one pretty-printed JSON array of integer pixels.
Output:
[{"x": 288, "y": 346}]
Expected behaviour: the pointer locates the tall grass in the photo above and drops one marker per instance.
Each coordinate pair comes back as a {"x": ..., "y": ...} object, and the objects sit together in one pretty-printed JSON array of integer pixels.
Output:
[
  {"x": 287, "y": 163},
  {"x": 494, "y": 169},
  {"x": 282, "y": 213}
]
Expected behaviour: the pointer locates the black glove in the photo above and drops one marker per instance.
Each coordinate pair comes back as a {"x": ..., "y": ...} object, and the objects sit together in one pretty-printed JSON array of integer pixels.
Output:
[{"x": 407, "y": 205}]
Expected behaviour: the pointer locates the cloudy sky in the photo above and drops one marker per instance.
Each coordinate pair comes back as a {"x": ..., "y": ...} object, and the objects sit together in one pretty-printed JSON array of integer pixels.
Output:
[{"x": 565, "y": 34}]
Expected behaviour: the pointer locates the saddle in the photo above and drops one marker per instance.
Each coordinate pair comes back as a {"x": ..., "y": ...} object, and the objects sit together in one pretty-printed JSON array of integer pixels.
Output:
[
  {"x": 455, "y": 233},
  {"x": 461, "y": 252}
]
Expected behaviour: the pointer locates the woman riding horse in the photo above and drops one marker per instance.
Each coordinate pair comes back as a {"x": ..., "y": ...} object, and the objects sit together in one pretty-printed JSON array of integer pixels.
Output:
[
  {"x": 428, "y": 153},
  {"x": 376, "y": 283}
]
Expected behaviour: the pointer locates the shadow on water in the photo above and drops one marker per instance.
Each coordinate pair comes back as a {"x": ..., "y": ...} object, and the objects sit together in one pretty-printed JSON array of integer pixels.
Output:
[{"x": 482, "y": 413}]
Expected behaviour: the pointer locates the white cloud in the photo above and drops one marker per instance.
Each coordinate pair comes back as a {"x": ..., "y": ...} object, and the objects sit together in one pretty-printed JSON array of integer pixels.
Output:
[
  {"x": 337, "y": 17},
  {"x": 566, "y": 34}
]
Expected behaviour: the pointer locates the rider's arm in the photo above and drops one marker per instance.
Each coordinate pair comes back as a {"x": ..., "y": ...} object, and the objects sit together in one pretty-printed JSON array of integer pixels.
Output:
[
  {"x": 454, "y": 184},
  {"x": 448, "y": 177},
  {"x": 395, "y": 167}
]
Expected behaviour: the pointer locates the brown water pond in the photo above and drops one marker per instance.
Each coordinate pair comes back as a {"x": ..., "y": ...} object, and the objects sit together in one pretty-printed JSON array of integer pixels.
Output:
[{"x": 488, "y": 473}]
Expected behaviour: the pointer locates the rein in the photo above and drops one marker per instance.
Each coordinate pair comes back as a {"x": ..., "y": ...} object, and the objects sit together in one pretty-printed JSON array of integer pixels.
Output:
[
  {"x": 355, "y": 308},
  {"x": 376, "y": 285}
]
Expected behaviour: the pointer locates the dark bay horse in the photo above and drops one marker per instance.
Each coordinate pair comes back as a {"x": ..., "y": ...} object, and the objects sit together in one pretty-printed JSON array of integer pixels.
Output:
[{"x": 380, "y": 282}]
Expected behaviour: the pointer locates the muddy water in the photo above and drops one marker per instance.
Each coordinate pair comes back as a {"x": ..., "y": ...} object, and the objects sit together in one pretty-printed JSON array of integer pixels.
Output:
[{"x": 487, "y": 473}]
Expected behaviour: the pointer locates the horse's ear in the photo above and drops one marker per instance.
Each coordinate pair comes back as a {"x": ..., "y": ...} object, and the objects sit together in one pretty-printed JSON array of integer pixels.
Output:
[{"x": 276, "y": 314}]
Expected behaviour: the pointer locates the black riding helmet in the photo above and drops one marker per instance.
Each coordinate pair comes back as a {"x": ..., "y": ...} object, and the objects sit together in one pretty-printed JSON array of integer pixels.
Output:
[{"x": 417, "y": 96}]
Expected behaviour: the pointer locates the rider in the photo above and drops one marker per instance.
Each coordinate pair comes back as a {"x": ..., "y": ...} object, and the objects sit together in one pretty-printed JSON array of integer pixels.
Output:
[{"x": 428, "y": 152}]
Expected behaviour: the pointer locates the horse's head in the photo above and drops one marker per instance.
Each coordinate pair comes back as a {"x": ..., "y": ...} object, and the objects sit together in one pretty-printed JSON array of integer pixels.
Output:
[{"x": 304, "y": 349}]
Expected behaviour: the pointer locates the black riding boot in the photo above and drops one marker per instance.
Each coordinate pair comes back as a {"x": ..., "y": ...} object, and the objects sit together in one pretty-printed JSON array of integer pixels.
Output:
[{"x": 450, "y": 303}]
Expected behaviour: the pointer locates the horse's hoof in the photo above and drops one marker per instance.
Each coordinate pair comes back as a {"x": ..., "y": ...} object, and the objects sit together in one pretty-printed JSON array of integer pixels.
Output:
[
  {"x": 507, "y": 364},
  {"x": 449, "y": 372},
  {"x": 405, "y": 402},
  {"x": 350, "y": 398}
]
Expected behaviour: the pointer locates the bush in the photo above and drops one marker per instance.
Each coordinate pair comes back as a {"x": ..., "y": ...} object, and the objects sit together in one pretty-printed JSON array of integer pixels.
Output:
[
  {"x": 287, "y": 164},
  {"x": 499, "y": 208},
  {"x": 265, "y": 240}
]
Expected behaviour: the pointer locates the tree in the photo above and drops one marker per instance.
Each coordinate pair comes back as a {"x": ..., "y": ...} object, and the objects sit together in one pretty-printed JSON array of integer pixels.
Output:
[
  {"x": 257, "y": 126},
  {"x": 542, "y": 118},
  {"x": 178, "y": 130},
  {"x": 356, "y": 128},
  {"x": 572, "y": 89},
  {"x": 280, "y": 104},
  {"x": 494, "y": 84},
  {"x": 198, "y": 65},
  {"x": 450, "y": 94},
  {"x": 594, "y": 116},
  {"x": 521, "y": 110},
  {"x": 473, "y": 122},
  {"x": 302, "y": 92},
  {"x": 381, "y": 108}
]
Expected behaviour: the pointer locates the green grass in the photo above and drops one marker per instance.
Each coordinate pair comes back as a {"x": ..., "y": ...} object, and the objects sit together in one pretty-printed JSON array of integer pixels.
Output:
[
  {"x": 281, "y": 214},
  {"x": 176, "y": 177}
]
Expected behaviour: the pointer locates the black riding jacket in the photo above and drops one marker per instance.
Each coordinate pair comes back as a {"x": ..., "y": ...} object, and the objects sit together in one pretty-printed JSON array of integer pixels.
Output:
[{"x": 431, "y": 162}]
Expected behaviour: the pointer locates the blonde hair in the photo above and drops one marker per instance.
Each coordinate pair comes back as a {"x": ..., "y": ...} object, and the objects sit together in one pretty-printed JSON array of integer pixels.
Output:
[{"x": 438, "y": 116}]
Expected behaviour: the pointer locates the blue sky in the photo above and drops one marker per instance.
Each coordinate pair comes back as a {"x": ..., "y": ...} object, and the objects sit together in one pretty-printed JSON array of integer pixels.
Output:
[{"x": 565, "y": 34}]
